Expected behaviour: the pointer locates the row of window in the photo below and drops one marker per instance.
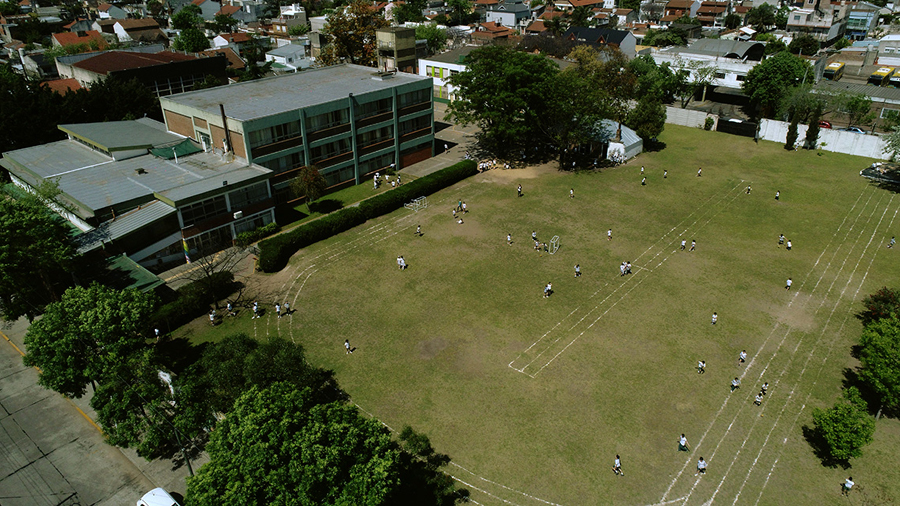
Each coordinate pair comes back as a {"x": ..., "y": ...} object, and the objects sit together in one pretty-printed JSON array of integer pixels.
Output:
[
  {"x": 210, "y": 208},
  {"x": 329, "y": 150},
  {"x": 375, "y": 136},
  {"x": 440, "y": 72},
  {"x": 411, "y": 125},
  {"x": 284, "y": 163},
  {"x": 365, "y": 110},
  {"x": 374, "y": 108},
  {"x": 274, "y": 134}
]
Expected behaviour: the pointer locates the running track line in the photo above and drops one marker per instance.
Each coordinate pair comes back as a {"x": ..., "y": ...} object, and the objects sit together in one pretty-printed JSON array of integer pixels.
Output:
[
  {"x": 703, "y": 207},
  {"x": 774, "y": 329},
  {"x": 821, "y": 367},
  {"x": 793, "y": 353}
]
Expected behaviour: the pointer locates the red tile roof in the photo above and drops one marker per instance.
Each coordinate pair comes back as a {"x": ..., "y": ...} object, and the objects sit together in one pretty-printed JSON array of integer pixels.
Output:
[
  {"x": 124, "y": 60},
  {"x": 70, "y": 25},
  {"x": 62, "y": 86},
  {"x": 741, "y": 9},
  {"x": 137, "y": 24},
  {"x": 493, "y": 30},
  {"x": 25, "y": 3},
  {"x": 487, "y": 2},
  {"x": 236, "y": 37},
  {"x": 103, "y": 7},
  {"x": 234, "y": 60},
  {"x": 548, "y": 15},
  {"x": 68, "y": 38},
  {"x": 579, "y": 3},
  {"x": 228, "y": 10},
  {"x": 536, "y": 27},
  {"x": 679, "y": 4}
]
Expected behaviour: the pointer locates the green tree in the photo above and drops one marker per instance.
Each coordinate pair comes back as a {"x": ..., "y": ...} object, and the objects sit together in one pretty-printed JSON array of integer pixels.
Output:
[
  {"x": 791, "y": 140},
  {"x": 278, "y": 445},
  {"x": 775, "y": 47},
  {"x": 770, "y": 81},
  {"x": 804, "y": 44},
  {"x": 880, "y": 360},
  {"x": 856, "y": 107},
  {"x": 191, "y": 40},
  {"x": 664, "y": 38},
  {"x": 224, "y": 23},
  {"x": 309, "y": 183},
  {"x": 210, "y": 81},
  {"x": 882, "y": 304},
  {"x": 556, "y": 26},
  {"x": 761, "y": 17},
  {"x": 83, "y": 337},
  {"x": 351, "y": 33},
  {"x": 781, "y": 17},
  {"x": 812, "y": 130},
  {"x": 733, "y": 21},
  {"x": 634, "y": 5},
  {"x": 113, "y": 99},
  {"x": 892, "y": 143},
  {"x": 580, "y": 16},
  {"x": 461, "y": 9},
  {"x": 658, "y": 81},
  {"x": 504, "y": 92},
  {"x": 648, "y": 118},
  {"x": 36, "y": 251},
  {"x": 188, "y": 17},
  {"x": 298, "y": 30},
  {"x": 844, "y": 429},
  {"x": 9, "y": 8},
  {"x": 686, "y": 20},
  {"x": 842, "y": 43},
  {"x": 436, "y": 37}
]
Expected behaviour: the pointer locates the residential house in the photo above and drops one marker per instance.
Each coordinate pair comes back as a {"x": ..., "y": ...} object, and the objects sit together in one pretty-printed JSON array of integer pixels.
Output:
[
  {"x": 145, "y": 30},
  {"x": 132, "y": 187},
  {"x": 487, "y": 32},
  {"x": 62, "y": 86},
  {"x": 863, "y": 19},
  {"x": 515, "y": 15},
  {"x": 290, "y": 16},
  {"x": 110, "y": 11},
  {"x": 889, "y": 45},
  {"x": 164, "y": 73},
  {"x": 36, "y": 65},
  {"x": 229, "y": 11},
  {"x": 347, "y": 120},
  {"x": 234, "y": 62},
  {"x": 208, "y": 8},
  {"x": 396, "y": 47},
  {"x": 440, "y": 67},
  {"x": 624, "y": 16},
  {"x": 288, "y": 58},
  {"x": 249, "y": 11},
  {"x": 600, "y": 37},
  {"x": 678, "y": 8},
  {"x": 732, "y": 59},
  {"x": 237, "y": 40},
  {"x": 712, "y": 13},
  {"x": 824, "y": 20},
  {"x": 570, "y": 5},
  {"x": 80, "y": 25},
  {"x": 90, "y": 38}
]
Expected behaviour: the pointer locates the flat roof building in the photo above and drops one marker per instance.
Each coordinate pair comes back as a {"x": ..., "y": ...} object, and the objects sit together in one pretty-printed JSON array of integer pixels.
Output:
[
  {"x": 347, "y": 120},
  {"x": 132, "y": 187}
]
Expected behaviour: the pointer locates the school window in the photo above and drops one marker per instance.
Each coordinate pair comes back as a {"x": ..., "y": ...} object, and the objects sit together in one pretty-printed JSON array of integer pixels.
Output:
[
  {"x": 796, "y": 18},
  {"x": 374, "y": 108},
  {"x": 413, "y": 98},
  {"x": 887, "y": 113},
  {"x": 720, "y": 75},
  {"x": 414, "y": 124},
  {"x": 375, "y": 136},
  {"x": 376, "y": 163},
  {"x": 283, "y": 163},
  {"x": 252, "y": 223},
  {"x": 327, "y": 120},
  {"x": 429, "y": 70},
  {"x": 741, "y": 77},
  {"x": 274, "y": 134},
  {"x": 196, "y": 213},
  {"x": 329, "y": 150},
  {"x": 210, "y": 241},
  {"x": 249, "y": 195}
]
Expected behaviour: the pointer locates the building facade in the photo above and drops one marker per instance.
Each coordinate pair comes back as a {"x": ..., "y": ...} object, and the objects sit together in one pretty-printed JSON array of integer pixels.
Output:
[{"x": 347, "y": 120}]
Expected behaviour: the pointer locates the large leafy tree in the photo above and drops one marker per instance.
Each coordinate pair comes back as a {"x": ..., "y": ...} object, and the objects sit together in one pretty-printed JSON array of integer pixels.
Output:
[
  {"x": 36, "y": 251},
  {"x": 880, "y": 360},
  {"x": 733, "y": 21},
  {"x": 761, "y": 17},
  {"x": 279, "y": 446},
  {"x": 770, "y": 81},
  {"x": 83, "y": 337},
  {"x": 309, "y": 183},
  {"x": 351, "y": 33},
  {"x": 461, "y": 9},
  {"x": 504, "y": 92},
  {"x": 436, "y": 37},
  {"x": 187, "y": 17},
  {"x": 804, "y": 44},
  {"x": 882, "y": 304},
  {"x": 191, "y": 39},
  {"x": 892, "y": 143},
  {"x": 844, "y": 429},
  {"x": 224, "y": 23},
  {"x": 658, "y": 81},
  {"x": 648, "y": 118}
]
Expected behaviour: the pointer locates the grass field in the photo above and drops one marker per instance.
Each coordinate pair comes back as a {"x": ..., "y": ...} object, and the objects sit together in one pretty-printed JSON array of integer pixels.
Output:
[{"x": 533, "y": 398}]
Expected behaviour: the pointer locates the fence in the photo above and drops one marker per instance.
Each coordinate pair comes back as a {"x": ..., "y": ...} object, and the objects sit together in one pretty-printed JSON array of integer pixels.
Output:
[{"x": 688, "y": 117}]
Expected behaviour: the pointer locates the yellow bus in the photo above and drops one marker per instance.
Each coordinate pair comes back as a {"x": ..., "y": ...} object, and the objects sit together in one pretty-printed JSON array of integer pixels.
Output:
[
  {"x": 880, "y": 77},
  {"x": 834, "y": 71}
]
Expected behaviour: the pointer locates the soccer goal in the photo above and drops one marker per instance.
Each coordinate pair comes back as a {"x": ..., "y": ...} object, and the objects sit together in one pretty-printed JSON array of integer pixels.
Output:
[
  {"x": 418, "y": 204},
  {"x": 554, "y": 244}
]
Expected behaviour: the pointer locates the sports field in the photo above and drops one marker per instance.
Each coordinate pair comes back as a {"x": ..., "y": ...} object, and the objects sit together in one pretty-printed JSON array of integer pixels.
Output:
[{"x": 533, "y": 397}]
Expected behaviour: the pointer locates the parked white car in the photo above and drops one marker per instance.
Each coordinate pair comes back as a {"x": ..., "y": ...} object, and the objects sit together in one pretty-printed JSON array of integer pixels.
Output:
[{"x": 157, "y": 497}]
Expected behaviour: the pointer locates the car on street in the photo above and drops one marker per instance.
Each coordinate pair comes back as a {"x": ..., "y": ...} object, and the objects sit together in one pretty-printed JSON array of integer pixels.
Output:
[
  {"x": 157, "y": 497},
  {"x": 824, "y": 124},
  {"x": 855, "y": 130}
]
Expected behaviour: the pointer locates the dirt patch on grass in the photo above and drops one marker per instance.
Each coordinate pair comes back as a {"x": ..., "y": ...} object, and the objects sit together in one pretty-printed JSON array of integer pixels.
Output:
[
  {"x": 506, "y": 176},
  {"x": 430, "y": 348}
]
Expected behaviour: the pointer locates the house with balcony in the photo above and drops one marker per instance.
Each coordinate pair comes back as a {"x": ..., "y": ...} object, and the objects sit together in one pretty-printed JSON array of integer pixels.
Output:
[
  {"x": 824, "y": 20},
  {"x": 515, "y": 15},
  {"x": 863, "y": 18},
  {"x": 347, "y": 120}
]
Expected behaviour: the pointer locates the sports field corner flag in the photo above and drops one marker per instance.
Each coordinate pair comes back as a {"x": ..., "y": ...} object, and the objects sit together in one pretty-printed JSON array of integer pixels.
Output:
[{"x": 186, "y": 250}]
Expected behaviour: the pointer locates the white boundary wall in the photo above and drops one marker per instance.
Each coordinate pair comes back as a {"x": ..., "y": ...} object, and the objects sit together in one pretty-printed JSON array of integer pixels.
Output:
[
  {"x": 837, "y": 141},
  {"x": 688, "y": 117}
]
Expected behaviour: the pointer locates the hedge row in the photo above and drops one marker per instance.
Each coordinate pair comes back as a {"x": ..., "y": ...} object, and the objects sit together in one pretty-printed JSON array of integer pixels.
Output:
[
  {"x": 245, "y": 239},
  {"x": 275, "y": 252},
  {"x": 194, "y": 299}
]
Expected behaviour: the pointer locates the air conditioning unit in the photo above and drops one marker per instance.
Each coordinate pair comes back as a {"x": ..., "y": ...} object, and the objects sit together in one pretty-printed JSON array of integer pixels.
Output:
[{"x": 238, "y": 215}]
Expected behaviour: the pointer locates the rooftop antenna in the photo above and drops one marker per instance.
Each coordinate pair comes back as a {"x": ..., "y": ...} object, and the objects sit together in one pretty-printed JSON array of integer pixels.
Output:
[{"x": 176, "y": 155}]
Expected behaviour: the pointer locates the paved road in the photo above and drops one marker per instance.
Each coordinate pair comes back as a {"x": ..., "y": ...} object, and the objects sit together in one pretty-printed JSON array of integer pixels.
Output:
[{"x": 50, "y": 453}]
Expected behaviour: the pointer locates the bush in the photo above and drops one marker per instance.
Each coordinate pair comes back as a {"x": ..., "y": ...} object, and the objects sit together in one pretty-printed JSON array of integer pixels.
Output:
[
  {"x": 709, "y": 123},
  {"x": 193, "y": 300},
  {"x": 275, "y": 252},
  {"x": 245, "y": 239}
]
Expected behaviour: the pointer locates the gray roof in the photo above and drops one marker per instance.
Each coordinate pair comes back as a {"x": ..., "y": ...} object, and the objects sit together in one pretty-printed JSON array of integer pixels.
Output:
[
  {"x": 877, "y": 93},
  {"x": 517, "y": 7},
  {"x": 724, "y": 47},
  {"x": 265, "y": 97},
  {"x": 95, "y": 181},
  {"x": 287, "y": 50},
  {"x": 123, "y": 225},
  {"x": 453, "y": 56},
  {"x": 116, "y": 135}
]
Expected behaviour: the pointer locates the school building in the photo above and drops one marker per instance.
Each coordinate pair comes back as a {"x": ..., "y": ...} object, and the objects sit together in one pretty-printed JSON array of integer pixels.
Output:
[{"x": 347, "y": 120}]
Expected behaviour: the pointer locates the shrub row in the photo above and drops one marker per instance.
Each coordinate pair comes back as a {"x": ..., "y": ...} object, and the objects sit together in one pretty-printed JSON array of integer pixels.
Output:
[
  {"x": 245, "y": 239},
  {"x": 193, "y": 300},
  {"x": 275, "y": 252}
]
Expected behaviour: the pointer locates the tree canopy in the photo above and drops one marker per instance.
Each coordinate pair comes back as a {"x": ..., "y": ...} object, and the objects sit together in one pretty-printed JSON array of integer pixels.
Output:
[
  {"x": 761, "y": 17},
  {"x": 844, "y": 429},
  {"x": 770, "y": 81},
  {"x": 309, "y": 183},
  {"x": 351, "y": 35},
  {"x": 84, "y": 336},
  {"x": 804, "y": 44},
  {"x": 36, "y": 251},
  {"x": 191, "y": 39},
  {"x": 187, "y": 17},
  {"x": 436, "y": 36},
  {"x": 879, "y": 356}
]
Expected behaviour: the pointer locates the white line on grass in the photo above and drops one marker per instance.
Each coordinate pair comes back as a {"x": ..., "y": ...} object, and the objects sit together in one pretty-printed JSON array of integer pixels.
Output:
[
  {"x": 793, "y": 355},
  {"x": 504, "y": 486},
  {"x": 762, "y": 347}
]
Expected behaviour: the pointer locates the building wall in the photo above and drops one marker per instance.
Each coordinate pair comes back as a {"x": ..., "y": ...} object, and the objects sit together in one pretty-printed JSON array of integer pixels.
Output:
[{"x": 439, "y": 72}]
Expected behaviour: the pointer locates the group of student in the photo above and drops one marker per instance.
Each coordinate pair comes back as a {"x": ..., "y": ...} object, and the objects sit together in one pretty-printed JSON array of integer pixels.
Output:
[{"x": 376, "y": 181}]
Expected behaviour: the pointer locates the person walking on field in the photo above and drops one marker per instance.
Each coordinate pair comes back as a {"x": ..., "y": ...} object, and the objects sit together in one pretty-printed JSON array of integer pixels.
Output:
[
  {"x": 893, "y": 241},
  {"x": 788, "y": 284},
  {"x": 777, "y": 195},
  {"x": 693, "y": 245},
  {"x": 758, "y": 400},
  {"x": 780, "y": 240},
  {"x": 699, "y": 171},
  {"x": 789, "y": 245},
  {"x": 847, "y": 485},
  {"x": 577, "y": 271},
  {"x": 419, "y": 230},
  {"x": 742, "y": 357},
  {"x": 347, "y": 346},
  {"x": 701, "y": 467},
  {"x": 520, "y": 190},
  {"x": 509, "y": 239},
  {"x": 572, "y": 193},
  {"x": 609, "y": 235},
  {"x": 748, "y": 189},
  {"x": 715, "y": 318},
  {"x": 683, "y": 244},
  {"x": 665, "y": 173},
  {"x": 735, "y": 384},
  {"x": 683, "y": 444},
  {"x": 701, "y": 367},
  {"x": 617, "y": 466}
]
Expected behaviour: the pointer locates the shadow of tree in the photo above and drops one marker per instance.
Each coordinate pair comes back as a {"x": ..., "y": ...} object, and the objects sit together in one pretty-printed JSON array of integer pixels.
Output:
[
  {"x": 820, "y": 449},
  {"x": 326, "y": 206}
]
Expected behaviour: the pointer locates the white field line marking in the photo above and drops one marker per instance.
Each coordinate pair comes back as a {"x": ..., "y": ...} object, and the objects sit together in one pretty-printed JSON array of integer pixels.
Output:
[
  {"x": 661, "y": 251},
  {"x": 622, "y": 284},
  {"x": 504, "y": 486},
  {"x": 482, "y": 491},
  {"x": 821, "y": 368},
  {"x": 793, "y": 355},
  {"x": 294, "y": 302},
  {"x": 762, "y": 347},
  {"x": 670, "y": 501}
]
